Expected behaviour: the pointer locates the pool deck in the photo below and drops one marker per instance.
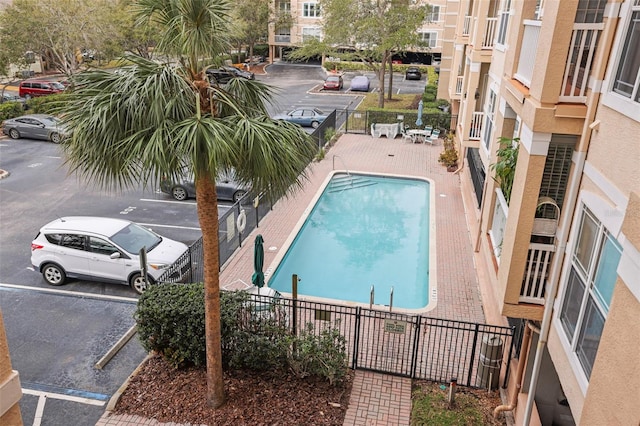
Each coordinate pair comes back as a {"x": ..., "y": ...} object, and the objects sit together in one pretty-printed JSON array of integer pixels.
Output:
[{"x": 378, "y": 399}]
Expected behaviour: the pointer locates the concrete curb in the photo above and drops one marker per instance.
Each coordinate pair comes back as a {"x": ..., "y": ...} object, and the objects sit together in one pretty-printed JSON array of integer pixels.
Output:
[{"x": 111, "y": 405}]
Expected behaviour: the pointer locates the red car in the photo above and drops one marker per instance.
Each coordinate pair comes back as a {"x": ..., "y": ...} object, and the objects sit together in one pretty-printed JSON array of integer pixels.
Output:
[{"x": 333, "y": 82}]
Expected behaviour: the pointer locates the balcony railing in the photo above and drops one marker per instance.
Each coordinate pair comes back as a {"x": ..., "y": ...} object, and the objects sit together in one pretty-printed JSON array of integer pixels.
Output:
[
  {"x": 527, "y": 52},
  {"x": 496, "y": 233},
  {"x": 490, "y": 33},
  {"x": 282, "y": 38},
  {"x": 536, "y": 273},
  {"x": 583, "y": 45},
  {"x": 466, "y": 26},
  {"x": 459, "y": 82},
  {"x": 475, "y": 131}
]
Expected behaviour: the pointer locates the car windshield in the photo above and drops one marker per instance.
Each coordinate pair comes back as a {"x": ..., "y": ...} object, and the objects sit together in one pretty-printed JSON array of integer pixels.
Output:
[
  {"x": 317, "y": 111},
  {"x": 133, "y": 237},
  {"x": 333, "y": 79},
  {"x": 56, "y": 85}
]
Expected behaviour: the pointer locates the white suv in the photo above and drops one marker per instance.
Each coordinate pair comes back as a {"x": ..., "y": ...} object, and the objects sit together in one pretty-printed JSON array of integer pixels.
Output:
[{"x": 102, "y": 249}]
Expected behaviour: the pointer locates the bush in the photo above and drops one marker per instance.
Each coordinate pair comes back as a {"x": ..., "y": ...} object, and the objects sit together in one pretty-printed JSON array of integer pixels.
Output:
[
  {"x": 449, "y": 155},
  {"x": 10, "y": 110},
  {"x": 46, "y": 104},
  {"x": 170, "y": 321},
  {"x": 171, "y": 318},
  {"x": 322, "y": 355}
]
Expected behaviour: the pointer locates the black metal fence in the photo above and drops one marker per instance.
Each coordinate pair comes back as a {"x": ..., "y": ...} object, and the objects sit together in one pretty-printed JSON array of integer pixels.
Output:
[
  {"x": 354, "y": 121},
  {"x": 414, "y": 346},
  {"x": 476, "y": 170}
]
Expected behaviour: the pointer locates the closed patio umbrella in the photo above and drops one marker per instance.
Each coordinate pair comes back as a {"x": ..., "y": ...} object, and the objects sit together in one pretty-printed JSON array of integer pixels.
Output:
[
  {"x": 258, "y": 262},
  {"x": 419, "y": 119}
]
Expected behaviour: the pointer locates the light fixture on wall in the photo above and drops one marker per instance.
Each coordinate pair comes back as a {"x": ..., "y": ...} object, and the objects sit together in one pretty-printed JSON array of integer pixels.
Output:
[{"x": 477, "y": 95}]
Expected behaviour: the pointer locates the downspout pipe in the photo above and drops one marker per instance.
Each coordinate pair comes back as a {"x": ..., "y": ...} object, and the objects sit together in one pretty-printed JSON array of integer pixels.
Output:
[
  {"x": 522, "y": 362},
  {"x": 554, "y": 279}
]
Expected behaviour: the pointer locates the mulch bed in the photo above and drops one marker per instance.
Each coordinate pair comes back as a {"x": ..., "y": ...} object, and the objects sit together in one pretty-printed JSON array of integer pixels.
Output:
[{"x": 163, "y": 393}]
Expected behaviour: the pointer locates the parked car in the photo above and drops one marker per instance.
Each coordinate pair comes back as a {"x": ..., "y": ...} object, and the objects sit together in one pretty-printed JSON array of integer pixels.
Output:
[
  {"x": 219, "y": 76},
  {"x": 360, "y": 83},
  {"x": 10, "y": 97},
  {"x": 413, "y": 73},
  {"x": 333, "y": 82},
  {"x": 307, "y": 117},
  {"x": 35, "y": 126},
  {"x": 240, "y": 73},
  {"x": 227, "y": 188},
  {"x": 32, "y": 88},
  {"x": 102, "y": 249}
]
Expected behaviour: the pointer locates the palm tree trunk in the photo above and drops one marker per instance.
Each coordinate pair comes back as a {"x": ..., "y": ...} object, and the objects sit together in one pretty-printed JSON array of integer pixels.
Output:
[{"x": 208, "y": 216}]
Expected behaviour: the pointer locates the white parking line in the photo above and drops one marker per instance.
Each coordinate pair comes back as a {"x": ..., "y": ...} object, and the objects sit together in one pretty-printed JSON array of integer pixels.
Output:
[
  {"x": 188, "y": 203},
  {"x": 62, "y": 396},
  {"x": 70, "y": 293}
]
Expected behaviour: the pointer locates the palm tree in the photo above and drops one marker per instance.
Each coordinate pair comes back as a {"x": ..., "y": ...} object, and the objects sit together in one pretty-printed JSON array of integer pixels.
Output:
[{"x": 150, "y": 120}]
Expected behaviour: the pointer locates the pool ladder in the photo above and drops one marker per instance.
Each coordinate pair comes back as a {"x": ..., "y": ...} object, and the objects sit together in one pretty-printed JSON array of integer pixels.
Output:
[{"x": 372, "y": 297}]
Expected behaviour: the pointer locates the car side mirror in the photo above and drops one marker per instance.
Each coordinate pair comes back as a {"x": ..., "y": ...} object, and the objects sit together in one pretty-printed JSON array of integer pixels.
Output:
[{"x": 115, "y": 255}]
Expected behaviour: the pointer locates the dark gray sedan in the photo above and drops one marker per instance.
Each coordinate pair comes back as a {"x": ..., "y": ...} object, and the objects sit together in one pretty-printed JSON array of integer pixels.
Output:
[
  {"x": 35, "y": 126},
  {"x": 226, "y": 188}
]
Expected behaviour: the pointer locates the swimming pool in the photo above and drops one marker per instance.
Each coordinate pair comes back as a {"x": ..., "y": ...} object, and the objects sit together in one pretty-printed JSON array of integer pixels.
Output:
[{"x": 364, "y": 230}]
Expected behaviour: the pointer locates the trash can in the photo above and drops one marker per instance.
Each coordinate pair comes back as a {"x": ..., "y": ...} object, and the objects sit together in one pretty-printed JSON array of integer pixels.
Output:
[{"x": 489, "y": 363}]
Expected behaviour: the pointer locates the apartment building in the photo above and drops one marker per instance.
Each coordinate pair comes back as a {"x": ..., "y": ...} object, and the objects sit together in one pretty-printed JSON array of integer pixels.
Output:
[
  {"x": 294, "y": 21},
  {"x": 563, "y": 251}
]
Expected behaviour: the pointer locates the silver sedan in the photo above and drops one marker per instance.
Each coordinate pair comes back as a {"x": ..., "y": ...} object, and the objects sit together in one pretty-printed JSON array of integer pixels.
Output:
[{"x": 35, "y": 126}]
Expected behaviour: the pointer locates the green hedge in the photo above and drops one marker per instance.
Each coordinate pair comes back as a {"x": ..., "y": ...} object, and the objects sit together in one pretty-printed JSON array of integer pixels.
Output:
[
  {"x": 10, "y": 110},
  {"x": 361, "y": 66},
  {"x": 171, "y": 322},
  {"x": 45, "y": 104}
]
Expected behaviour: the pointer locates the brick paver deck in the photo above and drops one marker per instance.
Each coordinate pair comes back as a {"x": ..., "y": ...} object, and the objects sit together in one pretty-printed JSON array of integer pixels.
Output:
[{"x": 376, "y": 399}]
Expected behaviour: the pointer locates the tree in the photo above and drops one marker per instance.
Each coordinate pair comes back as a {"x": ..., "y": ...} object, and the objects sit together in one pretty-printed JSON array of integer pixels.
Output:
[
  {"x": 252, "y": 19},
  {"x": 150, "y": 120},
  {"x": 369, "y": 31},
  {"x": 55, "y": 29}
]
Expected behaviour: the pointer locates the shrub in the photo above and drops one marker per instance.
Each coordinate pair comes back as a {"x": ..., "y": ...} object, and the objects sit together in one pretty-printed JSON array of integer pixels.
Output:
[
  {"x": 170, "y": 321},
  {"x": 449, "y": 155},
  {"x": 10, "y": 110},
  {"x": 323, "y": 355},
  {"x": 505, "y": 167},
  {"x": 45, "y": 104}
]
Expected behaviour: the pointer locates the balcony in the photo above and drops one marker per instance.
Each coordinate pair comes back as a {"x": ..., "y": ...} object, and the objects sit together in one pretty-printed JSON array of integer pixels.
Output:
[
  {"x": 489, "y": 36},
  {"x": 584, "y": 40},
  {"x": 526, "y": 62},
  {"x": 536, "y": 273},
  {"x": 475, "y": 131},
  {"x": 466, "y": 26},
  {"x": 459, "y": 83}
]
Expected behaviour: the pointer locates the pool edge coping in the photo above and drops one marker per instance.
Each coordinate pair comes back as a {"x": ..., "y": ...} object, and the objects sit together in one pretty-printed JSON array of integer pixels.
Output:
[{"x": 432, "y": 297}]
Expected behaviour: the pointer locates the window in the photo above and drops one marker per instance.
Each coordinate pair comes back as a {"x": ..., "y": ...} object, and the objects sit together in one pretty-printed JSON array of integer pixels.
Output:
[
  {"x": 627, "y": 76},
  {"x": 98, "y": 245},
  {"x": 311, "y": 10},
  {"x": 505, "y": 10},
  {"x": 490, "y": 110},
  {"x": 589, "y": 289},
  {"x": 429, "y": 38},
  {"x": 73, "y": 241},
  {"x": 285, "y": 6},
  {"x": 311, "y": 33},
  {"x": 434, "y": 14}
]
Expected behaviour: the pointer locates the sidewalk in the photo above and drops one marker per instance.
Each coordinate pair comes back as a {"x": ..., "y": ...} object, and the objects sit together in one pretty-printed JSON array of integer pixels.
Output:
[{"x": 376, "y": 399}]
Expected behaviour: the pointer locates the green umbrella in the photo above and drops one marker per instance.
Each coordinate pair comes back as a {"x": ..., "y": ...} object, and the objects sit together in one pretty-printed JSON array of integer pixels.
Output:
[{"x": 258, "y": 261}]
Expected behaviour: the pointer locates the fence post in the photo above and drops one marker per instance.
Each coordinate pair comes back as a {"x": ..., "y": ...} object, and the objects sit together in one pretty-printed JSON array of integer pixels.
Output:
[
  {"x": 356, "y": 338},
  {"x": 473, "y": 353},
  {"x": 294, "y": 296},
  {"x": 416, "y": 346}
]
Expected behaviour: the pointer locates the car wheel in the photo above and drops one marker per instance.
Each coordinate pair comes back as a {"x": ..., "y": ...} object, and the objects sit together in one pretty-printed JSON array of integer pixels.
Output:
[
  {"x": 55, "y": 137},
  {"x": 138, "y": 283},
  {"x": 315, "y": 124},
  {"x": 179, "y": 193},
  {"x": 53, "y": 274},
  {"x": 14, "y": 134},
  {"x": 238, "y": 195}
]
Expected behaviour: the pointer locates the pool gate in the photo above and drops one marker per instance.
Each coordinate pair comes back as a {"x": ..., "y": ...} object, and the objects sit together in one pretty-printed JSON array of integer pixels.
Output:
[{"x": 407, "y": 345}]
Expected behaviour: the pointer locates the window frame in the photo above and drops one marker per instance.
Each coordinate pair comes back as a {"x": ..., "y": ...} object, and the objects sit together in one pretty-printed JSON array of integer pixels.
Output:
[
  {"x": 573, "y": 316},
  {"x": 623, "y": 104},
  {"x": 432, "y": 40},
  {"x": 311, "y": 9}
]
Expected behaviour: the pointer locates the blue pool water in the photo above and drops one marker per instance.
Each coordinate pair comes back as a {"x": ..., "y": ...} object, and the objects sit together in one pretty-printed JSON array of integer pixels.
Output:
[{"x": 364, "y": 230}]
